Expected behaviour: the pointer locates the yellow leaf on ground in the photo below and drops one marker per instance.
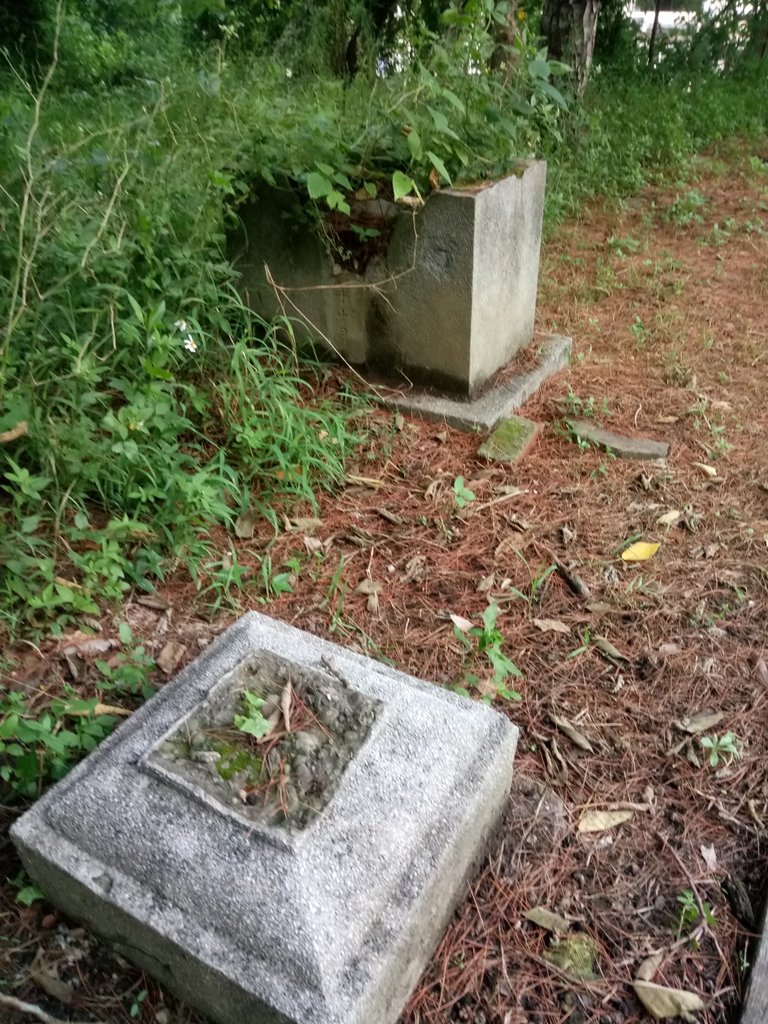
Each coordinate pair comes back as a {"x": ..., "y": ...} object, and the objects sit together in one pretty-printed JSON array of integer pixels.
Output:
[
  {"x": 640, "y": 551},
  {"x": 101, "y": 709},
  {"x": 709, "y": 471},
  {"x": 669, "y": 518},
  {"x": 600, "y": 821},
  {"x": 546, "y": 918},
  {"x": 665, "y": 1003}
]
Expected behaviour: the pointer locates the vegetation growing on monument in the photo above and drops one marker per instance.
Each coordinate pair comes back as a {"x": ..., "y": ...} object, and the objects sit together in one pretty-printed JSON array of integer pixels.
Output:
[{"x": 142, "y": 404}]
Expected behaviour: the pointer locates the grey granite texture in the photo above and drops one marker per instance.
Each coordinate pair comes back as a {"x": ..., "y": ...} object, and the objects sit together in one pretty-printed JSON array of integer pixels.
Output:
[
  {"x": 622, "y": 446},
  {"x": 484, "y": 413},
  {"x": 450, "y": 299},
  {"x": 331, "y": 924}
]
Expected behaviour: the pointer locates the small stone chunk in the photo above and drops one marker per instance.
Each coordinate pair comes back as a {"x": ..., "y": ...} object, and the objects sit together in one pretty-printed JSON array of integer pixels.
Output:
[
  {"x": 623, "y": 447},
  {"x": 510, "y": 441}
]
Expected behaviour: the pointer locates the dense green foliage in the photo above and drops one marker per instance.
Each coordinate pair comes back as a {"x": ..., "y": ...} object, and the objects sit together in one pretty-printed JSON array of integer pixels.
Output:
[
  {"x": 154, "y": 405},
  {"x": 141, "y": 405},
  {"x": 154, "y": 401}
]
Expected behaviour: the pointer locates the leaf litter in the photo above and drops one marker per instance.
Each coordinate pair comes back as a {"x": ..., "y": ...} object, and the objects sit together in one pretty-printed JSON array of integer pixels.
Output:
[{"x": 624, "y": 892}]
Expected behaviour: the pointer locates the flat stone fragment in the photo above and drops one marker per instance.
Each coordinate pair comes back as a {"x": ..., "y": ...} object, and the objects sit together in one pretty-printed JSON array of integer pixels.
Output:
[
  {"x": 623, "y": 447},
  {"x": 323, "y": 912},
  {"x": 482, "y": 414},
  {"x": 510, "y": 440}
]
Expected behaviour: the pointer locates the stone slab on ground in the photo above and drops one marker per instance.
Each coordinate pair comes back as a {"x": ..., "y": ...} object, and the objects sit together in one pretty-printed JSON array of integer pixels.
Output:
[
  {"x": 510, "y": 441},
  {"x": 484, "y": 413},
  {"x": 622, "y": 446},
  {"x": 331, "y": 922}
]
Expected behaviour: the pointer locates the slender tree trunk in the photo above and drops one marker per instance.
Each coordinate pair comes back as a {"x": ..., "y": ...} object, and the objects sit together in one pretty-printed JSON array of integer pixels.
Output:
[
  {"x": 570, "y": 28},
  {"x": 758, "y": 32},
  {"x": 504, "y": 56},
  {"x": 654, "y": 30}
]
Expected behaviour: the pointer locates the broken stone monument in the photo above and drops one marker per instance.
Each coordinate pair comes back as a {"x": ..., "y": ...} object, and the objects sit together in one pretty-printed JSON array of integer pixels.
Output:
[
  {"x": 447, "y": 295},
  {"x": 281, "y": 834}
]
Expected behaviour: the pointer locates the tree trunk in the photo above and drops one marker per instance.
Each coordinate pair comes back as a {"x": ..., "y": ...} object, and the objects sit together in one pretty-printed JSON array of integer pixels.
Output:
[
  {"x": 654, "y": 31},
  {"x": 504, "y": 56},
  {"x": 570, "y": 27},
  {"x": 757, "y": 46}
]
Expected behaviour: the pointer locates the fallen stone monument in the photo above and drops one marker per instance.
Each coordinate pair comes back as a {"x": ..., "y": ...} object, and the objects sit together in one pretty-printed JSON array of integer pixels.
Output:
[{"x": 281, "y": 834}]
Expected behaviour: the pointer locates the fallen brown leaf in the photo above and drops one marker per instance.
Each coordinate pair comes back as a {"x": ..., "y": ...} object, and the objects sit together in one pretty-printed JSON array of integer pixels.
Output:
[
  {"x": 364, "y": 481},
  {"x": 709, "y": 856},
  {"x": 304, "y": 524},
  {"x": 607, "y": 649},
  {"x": 19, "y": 430},
  {"x": 155, "y": 601},
  {"x": 700, "y": 722},
  {"x": 487, "y": 583},
  {"x": 245, "y": 524},
  {"x": 170, "y": 656},
  {"x": 551, "y": 626},
  {"x": 372, "y": 589},
  {"x": 649, "y": 966},
  {"x": 573, "y": 734},
  {"x": 461, "y": 623},
  {"x": 708, "y": 471}
]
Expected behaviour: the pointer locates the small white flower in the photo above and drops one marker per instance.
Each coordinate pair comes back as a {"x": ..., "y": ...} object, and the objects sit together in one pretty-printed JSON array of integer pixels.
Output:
[
  {"x": 288, "y": 73},
  {"x": 190, "y": 344},
  {"x": 182, "y": 325}
]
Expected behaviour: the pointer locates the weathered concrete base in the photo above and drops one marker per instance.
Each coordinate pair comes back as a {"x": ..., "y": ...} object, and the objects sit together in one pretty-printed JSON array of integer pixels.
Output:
[
  {"x": 623, "y": 447},
  {"x": 510, "y": 441},
  {"x": 484, "y": 413},
  {"x": 330, "y": 923},
  {"x": 449, "y": 298}
]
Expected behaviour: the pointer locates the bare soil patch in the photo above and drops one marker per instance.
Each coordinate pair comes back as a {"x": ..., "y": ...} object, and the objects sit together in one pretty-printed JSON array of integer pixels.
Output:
[{"x": 666, "y": 300}]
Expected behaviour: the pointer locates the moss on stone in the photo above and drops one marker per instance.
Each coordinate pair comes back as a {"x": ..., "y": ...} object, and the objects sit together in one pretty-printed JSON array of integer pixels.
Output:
[{"x": 509, "y": 441}]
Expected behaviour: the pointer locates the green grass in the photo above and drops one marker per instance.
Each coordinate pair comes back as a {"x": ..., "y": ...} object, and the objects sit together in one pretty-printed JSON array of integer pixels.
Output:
[{"x": 143, "y": 407}]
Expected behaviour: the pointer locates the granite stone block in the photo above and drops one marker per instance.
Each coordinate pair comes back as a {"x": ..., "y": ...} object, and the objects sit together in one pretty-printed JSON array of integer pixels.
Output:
[{"x": 328, "y": 919}]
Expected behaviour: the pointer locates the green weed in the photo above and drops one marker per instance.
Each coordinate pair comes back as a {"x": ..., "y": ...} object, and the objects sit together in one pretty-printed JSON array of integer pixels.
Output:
[
  {"x": 585, "y": 408},
  {"x": 38, "y": 748},
  {"x": 721, "y": 748},
  {"x": 152, "y": 401},
  {"x": 691, "y": 912},
  {"x": 686, "y": 209},
  {"x": 462, "y": 495},
  {"x": 484, "y": 643},
  {"x": 252, "y": 721}
]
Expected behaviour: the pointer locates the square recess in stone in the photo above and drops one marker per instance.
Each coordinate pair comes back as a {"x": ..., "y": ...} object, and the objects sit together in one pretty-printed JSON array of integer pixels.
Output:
[
  {"x": 324, "y": 918},
  {"x": 314, "y": 726}
]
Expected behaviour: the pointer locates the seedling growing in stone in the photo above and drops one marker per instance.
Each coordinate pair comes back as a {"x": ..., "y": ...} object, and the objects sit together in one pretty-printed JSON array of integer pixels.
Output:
[
  {"x": 253, "y": 721},
  {"x": 271, "y": 741}
]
